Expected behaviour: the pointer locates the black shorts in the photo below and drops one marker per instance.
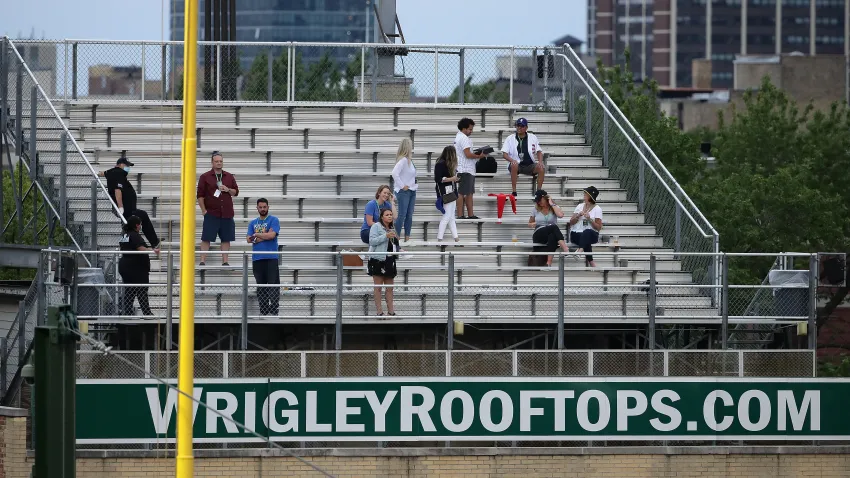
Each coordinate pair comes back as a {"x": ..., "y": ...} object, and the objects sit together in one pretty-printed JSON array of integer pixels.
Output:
[
  {"x": 214, "y": 226},
  {"x": 466, "y": 185},
  {"x": 385, "y": 269}
]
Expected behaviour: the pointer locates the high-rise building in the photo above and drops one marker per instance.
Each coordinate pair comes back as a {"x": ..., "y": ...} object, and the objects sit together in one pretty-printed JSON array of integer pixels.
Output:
[
  {"x": 665, "y": 36},
  {"x": 338, "y": 21}
]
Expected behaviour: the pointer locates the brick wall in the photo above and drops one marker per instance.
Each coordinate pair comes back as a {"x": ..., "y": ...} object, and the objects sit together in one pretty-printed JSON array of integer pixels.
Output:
[
  {"x": 13, "y": 443},
  {"x": 576, "y": 462}
]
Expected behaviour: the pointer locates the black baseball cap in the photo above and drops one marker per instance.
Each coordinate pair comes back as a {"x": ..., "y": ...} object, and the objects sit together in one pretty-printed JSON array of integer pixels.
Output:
[
  {"x": 540, "y": 194},
  {"x": 124, "y": 161}
]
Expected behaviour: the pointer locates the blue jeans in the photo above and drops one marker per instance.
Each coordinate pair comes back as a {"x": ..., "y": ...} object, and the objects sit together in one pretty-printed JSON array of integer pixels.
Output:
[{"x": 406, "y": 201}]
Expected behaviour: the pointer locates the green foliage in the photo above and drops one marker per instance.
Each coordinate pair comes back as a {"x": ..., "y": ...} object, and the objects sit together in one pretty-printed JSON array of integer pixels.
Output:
[
  {"x": 20, "y": 232},
  {"x": 323, "y": 80},
  {"x": 487, "y": 92},
  {"x": 841, "y": 368}
]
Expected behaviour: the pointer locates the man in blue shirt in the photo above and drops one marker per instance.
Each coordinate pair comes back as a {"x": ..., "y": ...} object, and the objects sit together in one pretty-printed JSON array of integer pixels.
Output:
[{"x": 262, "y": 234}]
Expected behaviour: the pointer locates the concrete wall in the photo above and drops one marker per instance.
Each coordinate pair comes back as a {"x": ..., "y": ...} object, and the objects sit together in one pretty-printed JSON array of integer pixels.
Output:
[
  {"x": 654, "y": 462},
  {"x": 13, "y": 443}
]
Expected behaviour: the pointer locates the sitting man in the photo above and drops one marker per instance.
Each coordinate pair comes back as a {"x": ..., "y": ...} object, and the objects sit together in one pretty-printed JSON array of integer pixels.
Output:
[{"x": 523, "y": 154}]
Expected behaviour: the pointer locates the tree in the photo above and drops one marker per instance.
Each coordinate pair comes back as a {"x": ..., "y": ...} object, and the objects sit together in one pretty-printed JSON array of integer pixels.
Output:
[
  {"x": 323, "y": 80},
  {"x": 487, "y": 92}
]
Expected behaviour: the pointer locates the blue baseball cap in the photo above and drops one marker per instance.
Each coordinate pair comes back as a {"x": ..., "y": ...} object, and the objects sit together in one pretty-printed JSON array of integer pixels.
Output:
[{"x": 522, "y": 122}]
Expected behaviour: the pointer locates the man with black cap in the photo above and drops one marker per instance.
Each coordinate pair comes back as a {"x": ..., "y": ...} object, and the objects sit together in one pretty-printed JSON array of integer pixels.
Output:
[
  {"x": 121, "y": 191},
  {"x": 523, "y": 153}
]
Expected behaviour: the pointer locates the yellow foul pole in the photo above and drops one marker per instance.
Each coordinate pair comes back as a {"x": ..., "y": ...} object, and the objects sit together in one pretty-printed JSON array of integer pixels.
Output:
[{"x": 185, "y": 460}]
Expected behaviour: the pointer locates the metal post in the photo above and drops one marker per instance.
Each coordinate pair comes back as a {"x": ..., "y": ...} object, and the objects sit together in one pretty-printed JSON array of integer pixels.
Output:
[
  {"x": 269, "y": 77},
  {"x": 164, "y": 75},
  {"x": 93, "y": 243},
  {"x": 22, "y": 332},
  {"x": 74, "y": 71},
  {"x": 678, "y": 244},
  {"x": 462, "y": 75},
  {"x": 813, "y": 302},
  {"x": 724, "y": 306},
  {"x": 244, "y": 332},
  {"x": 511, "y": 79},
  {"x": 374, "y": 75},
  {"x": 436, "y": 74},
  {"x": 54, "y": 401},
  {"x": 143, "y": 72},
  {"x": 605, "y": 115},
  {"x": 561, "y": 260},
  {"x": 715, "y": 295},
  {"x": 41, "y": 304},
  {"x": 450, "y": 332},
  {"x": 217, "y": 71},
  {"x": 641, "y": 177},
  {"x": 169, "y": 298},
  {"x": 19, "y": 111},
  {"x": 572, "y": 92},
  {"x": 33, "y": 129},
  {"x": 338, "y": 331},
  {"x": 588, "y": 115},
  {"x": 63, "y": 179},
  {"x": 653, "y": 285},
  {"x": 533, "y": 74},
  {"x": 546, "y": 56},
  {"x": 4, "y": 364},
  {"x": 363, "y": 68},
  {"x": 563, "y": 79}
]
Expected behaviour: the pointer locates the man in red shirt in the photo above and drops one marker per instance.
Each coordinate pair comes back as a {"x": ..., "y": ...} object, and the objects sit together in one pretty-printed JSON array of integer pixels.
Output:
[{"x": 216, "y": 189}]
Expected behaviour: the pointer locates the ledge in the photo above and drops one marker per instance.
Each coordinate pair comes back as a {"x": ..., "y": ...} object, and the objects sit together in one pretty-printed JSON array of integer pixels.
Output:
[
  {"x": 14, "y": 412},
  {"x": 422, "y": 452}
]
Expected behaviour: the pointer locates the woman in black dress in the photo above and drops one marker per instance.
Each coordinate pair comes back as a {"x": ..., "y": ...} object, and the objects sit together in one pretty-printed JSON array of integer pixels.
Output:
[{"x": 134, "y": 268}]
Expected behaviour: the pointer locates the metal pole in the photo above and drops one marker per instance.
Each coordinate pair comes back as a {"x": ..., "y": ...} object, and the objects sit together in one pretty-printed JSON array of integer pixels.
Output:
[
  {"x": 678, "y": 245},
  {"x": 93, "y": 242},
  {"x": 641, "y": 181},
  {"x": 33, "y": 127},
  {"x": 63, "y": 179},
  {"x": 511, "y": 79},
  {"x": 41, "y": 305},
  {"x": 363, "y": 67},
  {"x": 724, "y": 307},
  {"x": 169, "y": 299},
  {"x": 74, "y": 71},
  {"x": 436, "y": 74},
  {"x": 572, "y": 92},
  {"x": 546, "y": 56},
  {"x": 375, "y": 74},
  {"x": 217, "y": 71},
  {"x": 22, "y": 333},
  {"x": 450, "y": 332},
  {"x": 462, "y": 76},
  {"x": 269, "y": 77},
  {"x": 605, "y": 115},
  {"x": 19, "y": 111},
  {"x": 143, "y": 72},
  {"x": 244, "y": 332},
  {"x": 338, "y": 329},
  {"x": 4, "y": 364},
  {"x": 563, "y": 79},
  {"x": 164, "y": 75},
  {"x": 588, "y": 116},
  {"x": 813, "y": 302},
  {"x": 653, "y": 285},
  {"x": 561, "y": 260},
  {"x": 289, "y": 74},
  {"x": 533, "y": 75}
]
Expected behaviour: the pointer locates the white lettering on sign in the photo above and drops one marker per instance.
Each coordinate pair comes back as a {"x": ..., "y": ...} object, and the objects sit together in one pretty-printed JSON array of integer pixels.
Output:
[
  {"x": 422, "y": 411},
  {"x": 507, "y": 411},
  {"x": 312, "y": 414},
  {"x": 467, "y": 411},
  {"x": 810, "y": 405},
  {"x": 343, "y": 411},
  {"x": 624, "y": 411},
  {"x": 669, "y": 411},
  {"x": 162, "y": 416},
  {"x": 763, "y": 410},
  {"x": 379, "y": 408},
  {"x": 526, "y": 411},
  {"x": 224, "y": 414},
  {"x": 708, "y": 410},
  {"x": 251, "y": 411},
  {"x": 291, "y": 416},
  {"x": 604, "y": 410}
]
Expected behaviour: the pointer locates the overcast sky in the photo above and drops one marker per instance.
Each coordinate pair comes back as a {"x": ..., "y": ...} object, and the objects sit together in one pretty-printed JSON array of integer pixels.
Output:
[{"x": 475, "y": 22}]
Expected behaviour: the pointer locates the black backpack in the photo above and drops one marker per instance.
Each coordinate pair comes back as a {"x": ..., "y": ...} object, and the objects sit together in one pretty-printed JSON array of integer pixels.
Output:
[{"x": 486, "y": 165}]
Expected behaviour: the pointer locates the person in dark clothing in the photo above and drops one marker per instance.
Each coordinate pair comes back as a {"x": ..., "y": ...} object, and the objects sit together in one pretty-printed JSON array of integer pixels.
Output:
[
  {"x": 121, "y": 191},
  {"x": 134, "y": 268}
]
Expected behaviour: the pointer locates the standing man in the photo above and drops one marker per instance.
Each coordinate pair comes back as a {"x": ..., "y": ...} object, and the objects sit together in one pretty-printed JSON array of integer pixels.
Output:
[
  {"x": 523, "y": 154},
  {"x": 121, "y": 191},
  {"x": 262, "y": 234},
  {"x": 216, "y": 189},
  {"x": 466, "y": 160}
]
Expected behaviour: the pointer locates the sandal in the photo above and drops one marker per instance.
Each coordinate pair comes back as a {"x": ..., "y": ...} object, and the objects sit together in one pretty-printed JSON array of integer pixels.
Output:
[
  {"x": 380, "y": 315},
  {"x": 391, "y": 313}
]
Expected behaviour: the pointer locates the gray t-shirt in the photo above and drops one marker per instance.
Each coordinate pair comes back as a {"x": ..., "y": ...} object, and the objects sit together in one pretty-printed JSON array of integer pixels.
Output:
[{"x": 544, "y": 219}]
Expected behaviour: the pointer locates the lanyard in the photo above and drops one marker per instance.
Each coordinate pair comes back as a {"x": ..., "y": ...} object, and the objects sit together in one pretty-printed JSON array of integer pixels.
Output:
[{"x": 219, "y": 179}]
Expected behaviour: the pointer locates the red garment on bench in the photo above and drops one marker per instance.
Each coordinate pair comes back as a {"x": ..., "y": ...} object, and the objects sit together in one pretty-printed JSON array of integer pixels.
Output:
[{"x": 500, "y": 204}]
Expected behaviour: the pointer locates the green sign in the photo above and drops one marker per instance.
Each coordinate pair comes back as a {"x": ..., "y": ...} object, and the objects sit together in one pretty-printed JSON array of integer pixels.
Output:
[{"x": 469, "y": 408}]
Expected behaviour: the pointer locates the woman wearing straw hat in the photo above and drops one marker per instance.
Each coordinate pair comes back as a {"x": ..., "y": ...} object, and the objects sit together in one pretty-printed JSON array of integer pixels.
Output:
[{"x": 586, "y": 222}]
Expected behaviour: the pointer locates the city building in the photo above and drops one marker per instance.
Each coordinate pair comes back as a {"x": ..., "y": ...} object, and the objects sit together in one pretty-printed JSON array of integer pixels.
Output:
[
  {"x": 339, "y": 21},
  {"x": 665, "y": 36},
  {"x": 122, "y": 81},
  {"x": 41, "y": 59}
]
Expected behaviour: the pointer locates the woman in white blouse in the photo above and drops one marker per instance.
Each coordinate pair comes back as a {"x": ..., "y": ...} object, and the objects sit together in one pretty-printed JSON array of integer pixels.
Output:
[
  {"x": 586, "y": 222},
  {"x": 404, "y": 179}
]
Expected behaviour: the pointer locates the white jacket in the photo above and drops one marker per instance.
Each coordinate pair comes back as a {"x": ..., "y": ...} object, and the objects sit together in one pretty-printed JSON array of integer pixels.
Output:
[{"x": 511, "y": 144}]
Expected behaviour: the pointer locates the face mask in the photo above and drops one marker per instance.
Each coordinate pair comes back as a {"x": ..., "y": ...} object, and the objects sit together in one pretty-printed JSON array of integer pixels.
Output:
[{"x": 126, "y": 168}]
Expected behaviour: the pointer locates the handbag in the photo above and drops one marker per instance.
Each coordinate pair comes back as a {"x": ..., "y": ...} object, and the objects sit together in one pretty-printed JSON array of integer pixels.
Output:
[{"x": 449, "y": 198}]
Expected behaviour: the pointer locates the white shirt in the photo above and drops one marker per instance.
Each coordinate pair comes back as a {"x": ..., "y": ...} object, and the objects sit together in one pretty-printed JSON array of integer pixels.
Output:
[
  {"x": 511, "y": 144},
  {"x": 582, "y": 223},
  {"x": 404, "y": 174},
  {"x": 464, "y": 164}
]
